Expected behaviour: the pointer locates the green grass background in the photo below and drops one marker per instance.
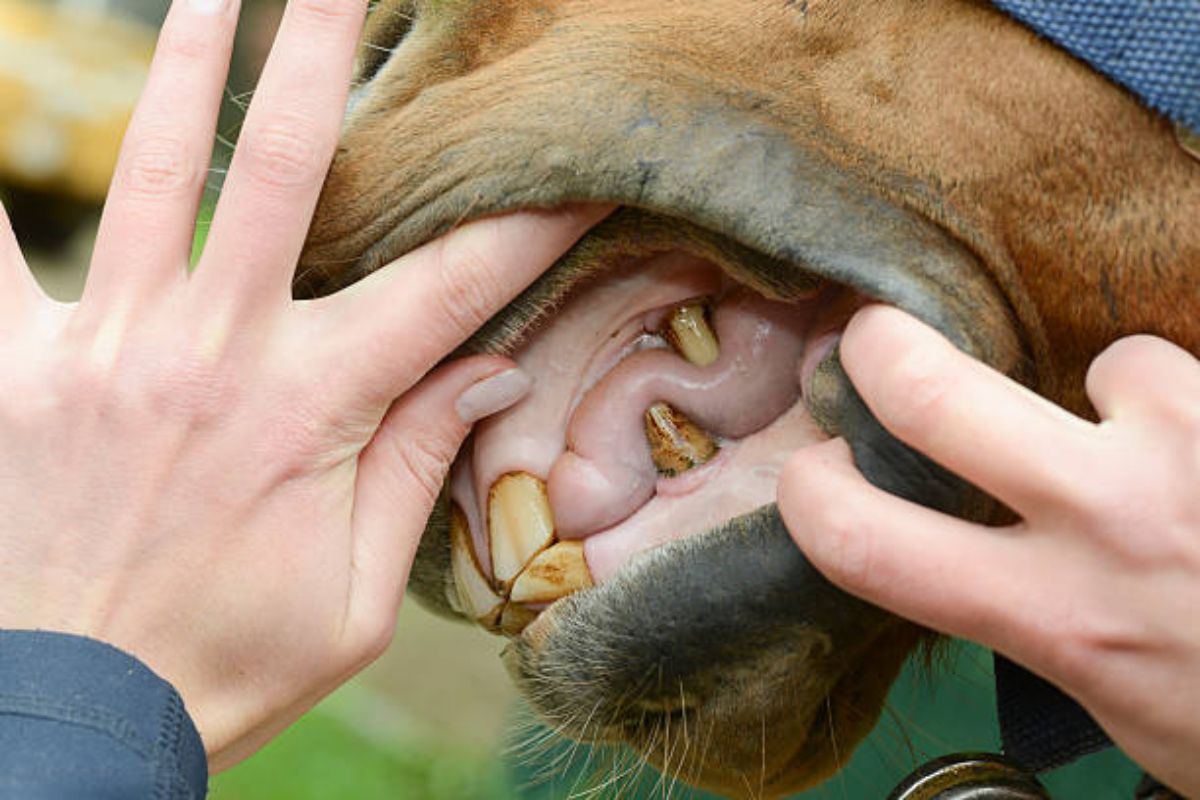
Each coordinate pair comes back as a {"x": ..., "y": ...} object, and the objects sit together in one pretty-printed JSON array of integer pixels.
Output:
[{"x": 929, "y": 714}]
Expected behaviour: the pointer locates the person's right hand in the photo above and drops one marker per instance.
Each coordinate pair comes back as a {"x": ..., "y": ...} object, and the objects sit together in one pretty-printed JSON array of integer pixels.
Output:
[
  {"x": 1097, "y": 588},
  {"x": 203, "y": 472}
]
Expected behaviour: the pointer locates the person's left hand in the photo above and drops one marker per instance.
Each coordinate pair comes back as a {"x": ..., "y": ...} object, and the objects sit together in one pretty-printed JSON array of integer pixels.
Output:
[{"x": 199, "y": 470}]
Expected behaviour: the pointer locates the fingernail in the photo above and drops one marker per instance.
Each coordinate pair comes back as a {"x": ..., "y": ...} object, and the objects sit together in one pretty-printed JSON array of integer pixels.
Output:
[
  {"x": 207, "y": 8},
  {"x": 492, "y": 394}
]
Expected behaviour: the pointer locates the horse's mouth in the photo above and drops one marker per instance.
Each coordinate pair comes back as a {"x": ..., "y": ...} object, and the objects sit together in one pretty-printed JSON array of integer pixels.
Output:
[
  {"x": 675, "y": 368},
  {"x": 619, "y": 523},
  {"x": 671, "y": 383}
]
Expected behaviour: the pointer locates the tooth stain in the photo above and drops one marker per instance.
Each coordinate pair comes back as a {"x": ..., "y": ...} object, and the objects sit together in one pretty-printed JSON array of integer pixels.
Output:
[
  {"x": 676, "y": 443},
  {"x": 554, "y": 573}
]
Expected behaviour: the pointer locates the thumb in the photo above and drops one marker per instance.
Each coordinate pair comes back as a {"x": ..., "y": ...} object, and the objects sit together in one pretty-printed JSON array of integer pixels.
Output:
[{"x": 401, "y": 472}]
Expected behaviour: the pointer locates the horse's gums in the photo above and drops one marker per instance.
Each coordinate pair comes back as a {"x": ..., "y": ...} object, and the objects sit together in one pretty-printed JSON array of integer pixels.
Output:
[{"x": 933, "y": 155}]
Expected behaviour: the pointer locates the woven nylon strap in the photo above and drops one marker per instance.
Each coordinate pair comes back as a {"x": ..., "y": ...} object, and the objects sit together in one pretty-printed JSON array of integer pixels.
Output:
[{"x": 1152, "y": 48}]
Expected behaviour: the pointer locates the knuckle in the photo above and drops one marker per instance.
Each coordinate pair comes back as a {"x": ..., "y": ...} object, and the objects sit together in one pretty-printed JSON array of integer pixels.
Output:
[
  {"x": 914, "y": 394},
  {"x": 159, "y": 165},
  {"x": 424, "y": 457},
  {"x": 842, "y": 550},
  {"x": 1088, "y": 640},
  {"x": 85, "y": 378},
  {"x": 184, "y": 43},
  {"x": 370, "y": 633},
  {"x": 327, "y": 12},
  {"x": 194, "y": 387},
  {"x": 469, "y": 291},
  {"x": 283, "y": 154}
]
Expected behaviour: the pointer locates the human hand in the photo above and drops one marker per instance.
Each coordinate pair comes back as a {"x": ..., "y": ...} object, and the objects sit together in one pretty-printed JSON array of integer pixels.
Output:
[
  {"x": 1097, "y": 587},
  {"x": 196, "y": 468}
]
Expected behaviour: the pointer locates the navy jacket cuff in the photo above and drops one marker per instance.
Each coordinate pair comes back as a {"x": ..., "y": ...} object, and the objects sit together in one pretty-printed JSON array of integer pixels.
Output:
[{"x": 80, "y": 718}]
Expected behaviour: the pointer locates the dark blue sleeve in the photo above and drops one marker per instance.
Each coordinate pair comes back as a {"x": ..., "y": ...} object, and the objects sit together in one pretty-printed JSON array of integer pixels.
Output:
[{"x": 81, "y": 719}]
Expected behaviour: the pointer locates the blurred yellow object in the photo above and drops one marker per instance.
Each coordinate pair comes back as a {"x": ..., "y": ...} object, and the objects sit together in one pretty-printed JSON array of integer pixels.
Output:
[{"x": 68, "y": 83}]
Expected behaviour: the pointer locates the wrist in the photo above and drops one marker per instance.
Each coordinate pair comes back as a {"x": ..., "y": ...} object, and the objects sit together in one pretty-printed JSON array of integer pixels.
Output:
[{"x": 84, "y": 683}]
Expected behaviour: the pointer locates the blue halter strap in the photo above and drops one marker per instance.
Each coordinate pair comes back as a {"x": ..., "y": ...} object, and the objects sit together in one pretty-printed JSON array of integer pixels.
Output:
[{"x": 1152, "y": 48}]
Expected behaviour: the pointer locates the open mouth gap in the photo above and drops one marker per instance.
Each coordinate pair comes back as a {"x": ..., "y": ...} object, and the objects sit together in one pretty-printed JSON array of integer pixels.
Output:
[{"x": 667, "y": 397}]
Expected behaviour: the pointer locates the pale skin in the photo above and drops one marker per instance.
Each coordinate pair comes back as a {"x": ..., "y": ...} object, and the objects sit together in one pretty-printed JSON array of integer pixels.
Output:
[
  {"x": 1097, "y": 587},
  {"x": 203, "y": 472}
]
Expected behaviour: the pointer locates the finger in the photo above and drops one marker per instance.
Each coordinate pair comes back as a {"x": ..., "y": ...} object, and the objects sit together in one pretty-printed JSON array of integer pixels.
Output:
[
  {"x": 961, "y": 413},
  {"x": 283, "y": 153},
  {"x": 937, "y": 570},
  {"x": 19, "y": 291},
  {"x": 1143, "y": 375},
  {"x": 401, "y": 473},
  {"x": 146, "y": 231},
  {"x": 379, "y": 335}
]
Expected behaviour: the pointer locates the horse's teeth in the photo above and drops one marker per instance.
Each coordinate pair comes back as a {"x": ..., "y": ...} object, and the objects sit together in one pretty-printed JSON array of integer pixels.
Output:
[
  {"x": 515, "y": 618},
  {"x": 475, "y": 594},
  {"x": 676, "y": 443},
  {"x": 555, "y": 572},
  {"x": 690, "y": 334},
  {"x": 520, "y": 523}
]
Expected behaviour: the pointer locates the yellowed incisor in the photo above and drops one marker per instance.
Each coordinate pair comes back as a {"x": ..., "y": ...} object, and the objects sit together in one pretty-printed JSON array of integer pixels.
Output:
[
  {"x": 676, "y": 443},
  {"x": 689, "y": 332},
  {"x": 475, "y": 595},
  {"x": 520, "y": 524}
]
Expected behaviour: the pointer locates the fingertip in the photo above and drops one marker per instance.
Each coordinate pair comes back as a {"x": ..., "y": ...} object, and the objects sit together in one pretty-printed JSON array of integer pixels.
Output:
[
  {"x": 873, "y": 322},
  {"x": 1142, "y": 370},
  {"x": 446, "y": 384},
  {"x": 492, "y": 393},
  {"x": 535, "y": 230},
  {"x": 879, "y": 340},
  {"x": 811, "y": 486},
  {"x": 402, "y": 471}
]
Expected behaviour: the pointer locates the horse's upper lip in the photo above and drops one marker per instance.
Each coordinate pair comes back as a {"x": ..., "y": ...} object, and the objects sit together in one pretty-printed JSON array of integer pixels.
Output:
[{"x": 721, "y": 168}]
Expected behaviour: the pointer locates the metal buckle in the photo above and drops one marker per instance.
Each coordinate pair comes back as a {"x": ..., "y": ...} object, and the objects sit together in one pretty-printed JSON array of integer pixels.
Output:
[
  {"x": 970, "y": 776},
  {"x": 1188, "y": 139}
]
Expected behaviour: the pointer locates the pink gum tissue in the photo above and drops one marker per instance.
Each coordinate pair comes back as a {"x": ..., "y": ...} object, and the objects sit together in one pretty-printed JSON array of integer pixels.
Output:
[{"x": 607, "y": 473}]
